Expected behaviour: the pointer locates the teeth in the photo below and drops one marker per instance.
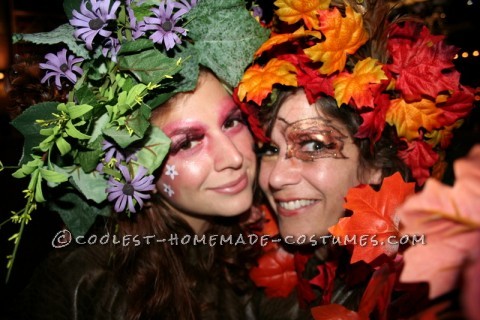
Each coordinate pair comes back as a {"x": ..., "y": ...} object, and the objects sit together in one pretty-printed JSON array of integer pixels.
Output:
[{"x": 293, "y": 205}]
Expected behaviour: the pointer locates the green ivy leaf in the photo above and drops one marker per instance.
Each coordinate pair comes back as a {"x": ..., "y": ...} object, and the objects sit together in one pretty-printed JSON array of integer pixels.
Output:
[
  {"x": 139, "y": 120},
  {"x": 53, "y": 176},
  {"x": 77, "y": 213},
  {"x": 88, "y": 159},
  {"x": 121, "y": 136},
  {"x": 154, "y": 150},
  {"x": 149, "y": 66},
  {"x": 135, "y": 46},
  {"x": 92, "y": 185},
  {"x": 63, "y": 33},
  {"x": 216, "y": 26},
  {"x": 26, "y": 124}
]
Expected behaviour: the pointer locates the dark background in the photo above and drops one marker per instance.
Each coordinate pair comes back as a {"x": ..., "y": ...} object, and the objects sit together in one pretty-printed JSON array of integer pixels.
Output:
[{"x": 458, "y": 20}]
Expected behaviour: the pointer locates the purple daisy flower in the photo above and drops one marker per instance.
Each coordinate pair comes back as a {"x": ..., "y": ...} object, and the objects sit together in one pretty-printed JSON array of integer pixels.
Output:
[
  {"x": 113, "y": 152},
  {"x": 164, "y": 23},
  {"x": 124, "y": 193},
  {"x": 60, "y": 65},
  {"x": 112, "y": 46},
  {"x": 89, "y": 23}
]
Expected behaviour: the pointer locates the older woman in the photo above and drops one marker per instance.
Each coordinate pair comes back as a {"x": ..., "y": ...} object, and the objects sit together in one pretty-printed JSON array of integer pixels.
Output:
[{"x": 341, "y": 97}]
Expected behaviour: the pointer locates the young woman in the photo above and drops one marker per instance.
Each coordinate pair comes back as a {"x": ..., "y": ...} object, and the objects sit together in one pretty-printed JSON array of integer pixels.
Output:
[
  {"x": 153, "y": 140},
  {"x": 340, "y": 100}
]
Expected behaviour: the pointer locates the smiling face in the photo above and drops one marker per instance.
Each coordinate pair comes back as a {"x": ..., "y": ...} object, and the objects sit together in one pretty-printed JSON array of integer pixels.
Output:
[
  {"x": 211, "y": 165},
  {"x": 308, "y": 168}
]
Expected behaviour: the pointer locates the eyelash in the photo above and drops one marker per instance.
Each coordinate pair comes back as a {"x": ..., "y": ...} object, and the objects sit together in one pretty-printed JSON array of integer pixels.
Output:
[
  {"x": 267, "y": 150},
  {"x": 319, "y": 143},
  {"x": 185, "y": 143},
  {"x": 235, "y": 117}
]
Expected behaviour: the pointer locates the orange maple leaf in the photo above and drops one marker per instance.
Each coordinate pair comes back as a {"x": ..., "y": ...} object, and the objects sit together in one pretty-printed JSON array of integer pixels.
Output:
[
  {"x": 277, "y": 39},
  {"x": 408, "y": 118},
  {"x": 335, "y": 312},
  {"x": 373, "y": 218},
  {"x": 258, "y": 81},
  {"x": 356, "y": 85},
  {"x": 344, "y": 35},
  {"x": 292, "y": 11}
]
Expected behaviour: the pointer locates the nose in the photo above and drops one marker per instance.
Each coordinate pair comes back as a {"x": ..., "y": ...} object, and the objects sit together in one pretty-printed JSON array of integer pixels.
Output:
[
  {"x": 226, "y": 154},
  {"x": 283, "y": 172}
]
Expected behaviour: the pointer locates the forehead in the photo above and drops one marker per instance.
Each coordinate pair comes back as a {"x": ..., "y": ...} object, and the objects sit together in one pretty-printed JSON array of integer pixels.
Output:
[
  {"x": 207, "y": 103},
  {"x": 295, "y": 110}
]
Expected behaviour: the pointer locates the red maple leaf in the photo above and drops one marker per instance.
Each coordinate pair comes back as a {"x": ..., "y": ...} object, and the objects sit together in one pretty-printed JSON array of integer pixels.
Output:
[
  {"x": 373, "y": 222},
  {"x": 423, "y": 67},
  {"x": 374, "y": 120},
  {"x": 325, "y": 279},
  {"x": 419, "y": 157},
  {"x": 275, "y": 272},
  {"x": 457, "y": 106}
]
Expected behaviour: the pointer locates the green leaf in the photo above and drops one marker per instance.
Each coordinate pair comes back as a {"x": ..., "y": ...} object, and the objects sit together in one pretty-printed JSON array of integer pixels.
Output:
[
  {"x": 85, "y": 95},
  {"x": 38, "y": 187},
  {"x": 73, "y": 132},
  {"x": 226, "y": 36},
  {"x": 28, "y": 168},
  {"x": 139, "y": 120},
  {"x": 88, "y": 159},
  {"x": 77, "y": 213},
  {"x": 150, "y": 66},
  {"x": 63, "y": 146},
  {"x": 25, "y": 123},
  {"x": 190, "y": 69},
  {"x": 154, "y": 150},
  {"x": 76, "y": 111},
  {"x": 121, "y": 136},
  {"x": 53, "y": 176},
  {"x": 98, "y": 127},
  {"x": 63, "y": 33},
  {"x": 135, "y": 46},
  {"x": 92, "y": 185}
]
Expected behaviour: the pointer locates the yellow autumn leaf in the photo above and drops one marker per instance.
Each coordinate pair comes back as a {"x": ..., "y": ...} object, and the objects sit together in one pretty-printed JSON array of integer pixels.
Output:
[
  {"x": 442, "y": 136},
  {"x": 292, "y": 11},
  {"x": 258, "y": 81},
  {"x": 343, "y": 35},
  {"x": 285, "y": 37},
  {"x": 356, "y": 85},
  {"x": 408, "y": 118}
]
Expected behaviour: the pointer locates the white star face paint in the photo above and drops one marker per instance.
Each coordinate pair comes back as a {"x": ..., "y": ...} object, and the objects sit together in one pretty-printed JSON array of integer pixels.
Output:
[
  {"x": 168, "y": 190},
  {"x": 170, "y": 171}
]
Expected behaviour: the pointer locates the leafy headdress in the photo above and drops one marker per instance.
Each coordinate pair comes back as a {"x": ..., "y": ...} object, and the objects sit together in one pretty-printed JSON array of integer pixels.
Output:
[
  {"x": 393, "y": 72},
  {"x": 120, "y": 60}
]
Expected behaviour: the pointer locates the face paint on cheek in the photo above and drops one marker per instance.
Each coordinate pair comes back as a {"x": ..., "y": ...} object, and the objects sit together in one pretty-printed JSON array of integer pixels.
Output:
[
  {"x": 171, "y": 171},
  {"x": 167, "y": 189},
  {"x": 312, "y": 139}
]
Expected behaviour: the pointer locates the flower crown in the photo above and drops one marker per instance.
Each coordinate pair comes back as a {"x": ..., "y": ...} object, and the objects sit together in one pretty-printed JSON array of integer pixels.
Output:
[
  {"x": 121, "y": 60},
  {"x": 392, "y": 73}
]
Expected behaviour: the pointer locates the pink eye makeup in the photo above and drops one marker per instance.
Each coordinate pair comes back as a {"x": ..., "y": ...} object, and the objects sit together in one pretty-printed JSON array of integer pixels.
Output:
[
  {"x": 311, "y": 139},
  {"x": 185, "y": 139}
]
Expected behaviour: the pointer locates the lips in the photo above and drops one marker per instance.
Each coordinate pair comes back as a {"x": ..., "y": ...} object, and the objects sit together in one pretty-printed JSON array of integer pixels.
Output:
[{"x": 233, "y": 187}]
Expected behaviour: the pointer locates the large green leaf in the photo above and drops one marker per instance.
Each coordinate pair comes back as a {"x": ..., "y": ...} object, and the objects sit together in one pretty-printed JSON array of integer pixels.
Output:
[
  {"x": 63, "y": 33},
  {"x": 149, "y": 66},
  {"x": 154, "y": 150},
  {"x": 77, "y": 213},
  {"x": 225, "y": 37},
  {"x": 92, "y": 184},
  {"x": 25, "y": 123},
  {"x": 121, "y": 136}
]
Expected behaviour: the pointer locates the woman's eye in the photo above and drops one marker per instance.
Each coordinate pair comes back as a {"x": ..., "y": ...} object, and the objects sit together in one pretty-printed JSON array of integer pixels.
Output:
[
  {"x": 188, "y": 144},
  {"x": 230, "y": 123},
  {"x": 268, "y": 150},
  {"x": 314, "y": 145}
]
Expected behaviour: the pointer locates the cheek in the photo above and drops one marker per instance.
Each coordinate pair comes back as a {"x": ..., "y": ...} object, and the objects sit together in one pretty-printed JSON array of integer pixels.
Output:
[
  {"x": 180, "y": 174},
  {"x": 243, "y": 141}
]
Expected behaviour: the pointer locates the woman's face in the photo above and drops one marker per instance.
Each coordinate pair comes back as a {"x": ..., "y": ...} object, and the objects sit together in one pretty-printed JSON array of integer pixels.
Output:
[
  {"x": 308, "y": 168},
  {"x": 211, "y": 165}
]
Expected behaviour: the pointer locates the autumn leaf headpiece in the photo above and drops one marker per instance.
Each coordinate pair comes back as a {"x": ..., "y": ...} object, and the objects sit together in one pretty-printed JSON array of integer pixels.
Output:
[
  {"x": 119, "y": 60},
  {"x": 393, "y": 73}
]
